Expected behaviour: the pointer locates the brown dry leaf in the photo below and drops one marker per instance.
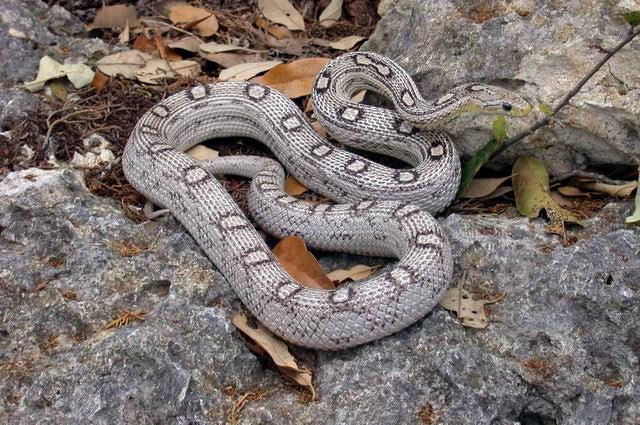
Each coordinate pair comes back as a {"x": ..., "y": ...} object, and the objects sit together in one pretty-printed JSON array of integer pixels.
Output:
[
  {"x": 123, "y": 63},
  {"x": 190, "y": 44},
  {"x": 294, "y": 79},
  {"x": 346, "y": 43},
  {"x": 166, "y": 53},
  {"x": 279, "y": 32},
  {"x": 183, "y": 13},
  {"x": 214, "y": 47},
  {"x": 126, "y": 317},
  {"x": 319, "y": 129},
  {"x": 159, "y": 69},
  {"x": 125, "y": 35},
  {"x": 144, "y": 44},
  {"x": 331, "y": 14},
  {"x": 617, "y": 191},
  {"x": 99, "y": 80},
  {"x": 201, "y": 152},
  {"x": 359, "y": 97},
  {"x": 355, "y": 273},
  {"x": 571, "y": 191},
  {"x": 246, "y": 71},
  {"x": 470, "y": 312},
  {"x": 559, "y": 199},
  {"x": 294, "y": 257},
  {"x": 276, "y": 349},
  {"x": 228, "y": 60},
  {"x": 116, "y": 16},
  {"x": 293, "y": 187},
  {"x": 481, "y": 187},
  {"x": 282, "y": 12}
]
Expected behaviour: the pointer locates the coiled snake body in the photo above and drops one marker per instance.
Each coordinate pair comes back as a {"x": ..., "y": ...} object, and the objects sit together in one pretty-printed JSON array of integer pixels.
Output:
[{"x": 380, "y": 211}]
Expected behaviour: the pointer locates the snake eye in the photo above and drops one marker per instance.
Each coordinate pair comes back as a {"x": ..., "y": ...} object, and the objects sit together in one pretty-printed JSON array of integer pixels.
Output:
[{"x": 506, "y": 106}]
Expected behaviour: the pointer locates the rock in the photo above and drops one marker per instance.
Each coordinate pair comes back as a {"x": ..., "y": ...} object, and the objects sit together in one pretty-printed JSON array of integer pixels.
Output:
[
  {"x": 563, "y": 347},
  {"x": 15, "y": 106},
  {"x": 30, "y": 30},
  {"x": 541, "y": 49}
]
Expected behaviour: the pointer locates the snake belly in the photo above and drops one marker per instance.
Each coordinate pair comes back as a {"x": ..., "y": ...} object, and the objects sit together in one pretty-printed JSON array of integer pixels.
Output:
[{"x": 380, "y": 210}]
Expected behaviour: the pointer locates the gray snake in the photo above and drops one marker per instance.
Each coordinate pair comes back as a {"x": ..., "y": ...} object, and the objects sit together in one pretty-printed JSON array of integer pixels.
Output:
[{"x": 379, "y": 211}]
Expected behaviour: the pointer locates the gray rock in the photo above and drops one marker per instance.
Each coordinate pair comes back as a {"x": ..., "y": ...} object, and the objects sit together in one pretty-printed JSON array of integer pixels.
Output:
[
  {"x": 542, "y": 49},
  {"x": 15, "y": 106},
  {"x": 563, "y": 347},
  {"x": 29, "y": 30}
]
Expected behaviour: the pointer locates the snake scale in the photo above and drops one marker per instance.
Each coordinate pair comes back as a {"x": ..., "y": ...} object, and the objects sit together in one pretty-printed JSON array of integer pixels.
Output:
[{"x": 379, "y": 210}]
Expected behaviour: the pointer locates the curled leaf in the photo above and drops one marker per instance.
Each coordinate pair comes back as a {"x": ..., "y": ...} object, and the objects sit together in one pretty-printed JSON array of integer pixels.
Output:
[
  {"x": 282, "y": 12},
  {"x": 293, "y": 187},
  {"x": 635, "y": 217},
  {"x": 293, "y": 255},
  {"x": 481, "y": 187},
  {"x": 294, "y": 79},
  {"x": 331, "y": 14},
  {"x": 80, "y": 75}
]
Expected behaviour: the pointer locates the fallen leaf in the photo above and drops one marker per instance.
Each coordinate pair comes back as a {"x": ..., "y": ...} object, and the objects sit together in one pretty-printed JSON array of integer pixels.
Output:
[
  {"x": 183, "y": 13},
  {"x": 359, "y": 96},
  {"x": 190, "y": 44},
  {"x": 469, "y": 311},
  {"x": 294, "y": 257},
  {"x": 571, "y": 191},
  {"x": 294, "y": 79},
  {"x": 531, "y": 186},
  {"x": 17, "y": 33},
  {"x": 123, "y": 63},
  {"x": 481, "y": 187},
  {"x": 144, "y": 44},
  {"x": 116, "y": 16},
  {"x": 279, "y": 32},
  {"x": 80, "y": 75},
  {"x": 214, "y": 47},
  {"x": 346, "y": 43},
  {"x": 282, "y": 12},
  {"x": 58, "y": 89},
  {"x": 228, "y": 60},
  {"x": 635, "y": 217},
  {"x": 331, "y": 14},
  {"x": 158, "y": 69},
  {"x": 201, "y": 152},
  {"x": 100, "y": 80},
  {"x": 617, "y": 191},
  {"x": 293, "y": 187},
  {"x": 124, "y": 36},
  {"x": 265, "y": 342},
  {"x": 166, "y": 53},
  {"x": 355, "y": 273},
  {"x": 559, "y": 199},
  {"x": 245, "y": 71}
]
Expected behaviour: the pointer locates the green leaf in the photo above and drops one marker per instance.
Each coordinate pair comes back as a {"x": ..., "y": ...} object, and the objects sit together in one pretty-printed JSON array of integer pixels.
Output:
[
  {"x": 471, "y": 167},
  {"x": 633, "y": 18},
  {"x": 545, "y": 109},
  {"x": 531, "y": 187},
  {"x": 635, "y": 217},
  {"x": 499, "y": 129}
]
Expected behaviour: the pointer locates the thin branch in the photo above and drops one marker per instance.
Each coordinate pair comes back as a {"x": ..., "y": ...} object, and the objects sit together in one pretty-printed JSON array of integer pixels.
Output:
[
  {"x": 589, "y": 175},
  {"x": 546, "y": 120},
  {"x": 151, "y": 21}
]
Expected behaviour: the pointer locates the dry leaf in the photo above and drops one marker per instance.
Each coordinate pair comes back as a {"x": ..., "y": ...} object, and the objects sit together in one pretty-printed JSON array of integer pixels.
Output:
[
  {"x": 293, "y": 187},
  {"x": 144, "y": 44},
  {"x": 294, "y": 79},
  {"x": 201, "y": 152},
  {"x": 80, "y": 75},
  {"x": 99, "y": 80},
  {"x": 531, "y": 187},
  {"x": 228, "y": 60},
  {"x": 470, "y": 312},
  {"x": 190, "y": 44},
  {"x": 276, "y": 349},
  {"x": 123, "y": 63},
  {"x": 294, "y": 257},
  {"x": 245, "y": 71},
  {"x": 635, "y": 217},
  {"x": 214, "y": 47},
  {"x": 183, "y": 13},
  {"x": 116, "y": 16},
  {"x": 331, "y": 14},
  {"x": 559, "y": 199},
  {"x": 124, "y": 36},
  {"x": 279, "y": 32},
  {"x": 319, "y": 129},
  {"x": 17, "y": 33},
  {"x": 347, "y": 42},
  {"x": 481, "y": 187},
  {"x": 617, "y": 191},
  {"x": 58, "y": 89},
  {"x": 355, "y": 273},
  {"x": 158, "y": 69},
  {"x": 165, "y": 52},
  {"x": 281, "y": 12},
  {"x": 571, "y": 191},
  {"x": 358, "y": 97}
]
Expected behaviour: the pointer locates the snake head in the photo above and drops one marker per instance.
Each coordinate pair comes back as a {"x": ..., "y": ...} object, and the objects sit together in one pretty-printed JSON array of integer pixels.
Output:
[{"x": 492, "y": 100}]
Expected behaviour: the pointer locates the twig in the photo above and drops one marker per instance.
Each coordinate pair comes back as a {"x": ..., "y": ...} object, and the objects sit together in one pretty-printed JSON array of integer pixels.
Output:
[
  {"x": 513, "y": 140},
  {"x": 151, "y": 21},
  {"x": 588, "y": 175}
]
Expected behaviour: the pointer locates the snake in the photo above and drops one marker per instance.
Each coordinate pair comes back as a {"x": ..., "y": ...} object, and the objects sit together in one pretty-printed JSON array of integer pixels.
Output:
[{"x": 377, "y": 210}]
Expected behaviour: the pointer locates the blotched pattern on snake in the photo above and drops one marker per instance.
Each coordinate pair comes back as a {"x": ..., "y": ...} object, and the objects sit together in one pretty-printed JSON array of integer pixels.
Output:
[{"x": 380, "y": 210}]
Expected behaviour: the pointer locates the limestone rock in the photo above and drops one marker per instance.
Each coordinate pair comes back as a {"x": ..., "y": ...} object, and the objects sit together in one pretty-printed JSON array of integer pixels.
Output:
[{"x": 541, "y": 49}]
